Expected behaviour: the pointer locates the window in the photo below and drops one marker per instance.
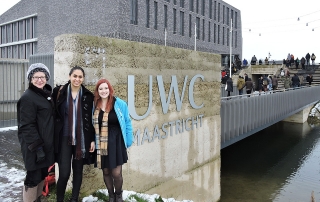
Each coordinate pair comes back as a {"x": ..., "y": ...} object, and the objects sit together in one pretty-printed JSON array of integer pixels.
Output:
[
  {"x": 147, "y": 13},
  {"x": 235, "y": 39},
  {"x": 210, "y": 9},
  {"x": 232, "y": 17},
  {"x": 175, "y": 2},
  {"x": 174, "y": 21},
  {"x": 181, "y": 23},
  {"x": 155, "y": 15},
  {"x": 198, "y": 27},
  {"x": 191, "y": 5},
  {"x": 218, "y": 34},
  {"x": 182, "y": 3},
  {"x": 218, "y": 12},
  {"x": 203, "y": 7},
  {"x": 165, "y": 16},
  {"x": 215, "y": 10},
  {"x": 209, "y": 31},
  {"x": 214, "y": 33},
  {"x": 235, "y": 20},
  {"x": 228, "y": 37},
  {"x": 223, "y": 34},
  {"x": 197, "y": 6},
  {"x": 203, "y": 30},
  {"x": 228, "y": 20},
  {"x": 190, "y": 26},
  {"x": 223, "y": 14},
  {"x": 134, "y": 12}
]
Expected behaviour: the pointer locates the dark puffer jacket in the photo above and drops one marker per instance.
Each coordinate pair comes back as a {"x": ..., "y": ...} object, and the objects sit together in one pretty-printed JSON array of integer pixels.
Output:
[
  {"x": 35, "y": 128},
  {"x": 88, "y": 129}
]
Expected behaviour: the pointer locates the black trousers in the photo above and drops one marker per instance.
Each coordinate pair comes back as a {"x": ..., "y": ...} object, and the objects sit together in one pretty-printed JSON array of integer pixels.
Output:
[
  {"x": 34, "y": 177},
  {"x": 66, "y": 158}
]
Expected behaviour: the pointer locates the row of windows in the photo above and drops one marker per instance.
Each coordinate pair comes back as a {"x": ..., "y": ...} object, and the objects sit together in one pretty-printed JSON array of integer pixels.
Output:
[
  {"x": 213, "y": 6},
  {"x": 21, "y": 51},
  {"x": 13, "y": 36},
  {"x": 18, "y": 31}
]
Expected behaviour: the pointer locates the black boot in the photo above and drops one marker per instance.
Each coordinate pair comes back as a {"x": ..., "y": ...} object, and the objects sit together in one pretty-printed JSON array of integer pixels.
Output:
[
  {"x": 112, "y": 197},
  {"x": 119, "y": 197},
  {"x": 73, "y": 200}
]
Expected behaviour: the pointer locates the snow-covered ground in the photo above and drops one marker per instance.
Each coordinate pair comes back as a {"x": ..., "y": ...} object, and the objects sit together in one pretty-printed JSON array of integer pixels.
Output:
[{"x": 12, "y": 174}]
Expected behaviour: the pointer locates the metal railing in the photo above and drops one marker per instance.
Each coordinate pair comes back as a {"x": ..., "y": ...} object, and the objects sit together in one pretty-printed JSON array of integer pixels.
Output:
[
  {"x": 12, "y": 85},
  {"x": 242, "y": 116}
]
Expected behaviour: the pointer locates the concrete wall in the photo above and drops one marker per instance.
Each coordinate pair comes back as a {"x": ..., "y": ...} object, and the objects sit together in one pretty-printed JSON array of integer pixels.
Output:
[{"x": 182, "y": 164}]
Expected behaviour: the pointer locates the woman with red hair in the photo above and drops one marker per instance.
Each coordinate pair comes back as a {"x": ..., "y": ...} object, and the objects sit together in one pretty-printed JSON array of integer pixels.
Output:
[{"x": 114, "y": 135}]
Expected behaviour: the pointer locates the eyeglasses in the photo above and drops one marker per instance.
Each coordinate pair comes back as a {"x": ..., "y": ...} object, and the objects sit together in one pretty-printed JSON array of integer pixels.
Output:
[{"x": 42, "y": 78}]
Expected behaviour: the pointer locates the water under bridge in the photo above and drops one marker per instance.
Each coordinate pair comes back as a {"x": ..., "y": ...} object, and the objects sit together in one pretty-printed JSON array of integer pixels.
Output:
[{"x": 242, "y": 116}]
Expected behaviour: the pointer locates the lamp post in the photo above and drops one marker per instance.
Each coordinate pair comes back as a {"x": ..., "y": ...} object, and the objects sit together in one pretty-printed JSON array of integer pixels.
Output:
[{"x": 230, "y": 45}]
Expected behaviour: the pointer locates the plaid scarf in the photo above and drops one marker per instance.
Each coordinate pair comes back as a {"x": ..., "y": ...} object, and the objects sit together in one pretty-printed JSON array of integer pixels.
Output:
[
  {"x": 101, "y": 135},
  {"x": 75, "y": 125}
]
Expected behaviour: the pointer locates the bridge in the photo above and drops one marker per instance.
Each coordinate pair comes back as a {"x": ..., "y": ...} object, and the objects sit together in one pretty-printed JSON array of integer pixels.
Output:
[{"x": 242, "y": 116}]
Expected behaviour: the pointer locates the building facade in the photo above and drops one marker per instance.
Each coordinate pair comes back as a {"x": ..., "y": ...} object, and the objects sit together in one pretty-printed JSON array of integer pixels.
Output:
[{"x": 30, "y": 26}]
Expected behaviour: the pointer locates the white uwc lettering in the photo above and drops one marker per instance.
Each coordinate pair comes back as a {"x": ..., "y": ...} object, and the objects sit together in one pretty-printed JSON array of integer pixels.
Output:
[{"x": 164, "y": 101}]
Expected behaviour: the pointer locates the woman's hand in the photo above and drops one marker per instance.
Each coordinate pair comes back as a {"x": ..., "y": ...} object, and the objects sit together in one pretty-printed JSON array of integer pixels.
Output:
[{"x": 92, "y": 147}]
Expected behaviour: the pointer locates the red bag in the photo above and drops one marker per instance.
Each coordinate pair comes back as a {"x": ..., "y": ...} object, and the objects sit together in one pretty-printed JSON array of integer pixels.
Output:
[{"x": 49, "y": 180}]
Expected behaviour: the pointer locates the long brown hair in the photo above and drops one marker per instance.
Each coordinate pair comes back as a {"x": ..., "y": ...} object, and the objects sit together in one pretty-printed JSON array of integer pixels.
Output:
[{"x": 97, "y": 98}]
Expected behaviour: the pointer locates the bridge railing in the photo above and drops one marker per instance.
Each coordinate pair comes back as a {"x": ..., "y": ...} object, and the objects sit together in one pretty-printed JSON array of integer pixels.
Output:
[{"x": 242, "y": 116}]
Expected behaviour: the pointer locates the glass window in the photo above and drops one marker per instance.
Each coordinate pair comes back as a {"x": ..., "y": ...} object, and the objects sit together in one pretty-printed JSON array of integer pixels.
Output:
[
  {"x": 228, "y": 20},
  {"x": 223, "y": 34},
  {"x": 228, "y": 37},
  {"x": 209, "y": 31},
  {"x": 134, "y": 12},
  {"x": 223, "y": 14},
  {"x": 147, "y": 13},
  {"x": 218, "y": 34},
  {"x": 215, "y": 10},
  {"x": 203, "y": 7},
  {"x": 182, "y": 3},
  {"x": 197, "y": 6},
  {"x": 198, "y": 27},
  {"x": 155, "y": 15},
  {"x": 214, "y": 33},
  {"x": 190, "y": 26},
  {"x": 174, "y": 21},
  {"x": 181, "y": 23},
  {"x": 235, "y": 20},
  {"x": 165, "y": 16},
  {"x": 203, "y": 30},
  {"x": 191, "y": 5},
  {"x": 218, "y": 12},
  {"x": 210, "y": 9}
]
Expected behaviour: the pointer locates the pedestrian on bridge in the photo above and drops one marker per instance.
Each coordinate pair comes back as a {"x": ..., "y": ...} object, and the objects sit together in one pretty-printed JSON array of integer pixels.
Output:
[
  {"x": 308, "y": 59},
  {"x": 309, "y": 79},
  {"x": 275, "y": 83},
  {"x": 297, "y": 61},
  {"x": 249, "y": 86},
  {"x": 229, "y": 86},
  {"x": 35, "y": 130},
  {"x": 313, "y": 58},
  {"x": 287, "y": 82},
  {"x": 240, "y": 84},
  {"x": 303, "y": 62},
  {"x": 295, "y": 81}
]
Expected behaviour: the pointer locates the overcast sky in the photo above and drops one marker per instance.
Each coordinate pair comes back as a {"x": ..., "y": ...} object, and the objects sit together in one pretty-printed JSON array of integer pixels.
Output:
[
  {"x": 281, "y": 32},
  {"x": 274, "y": 27}
]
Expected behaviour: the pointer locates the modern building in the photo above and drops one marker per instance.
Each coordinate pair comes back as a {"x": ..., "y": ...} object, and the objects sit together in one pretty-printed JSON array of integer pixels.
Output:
[{"x": 29, "y": 27}]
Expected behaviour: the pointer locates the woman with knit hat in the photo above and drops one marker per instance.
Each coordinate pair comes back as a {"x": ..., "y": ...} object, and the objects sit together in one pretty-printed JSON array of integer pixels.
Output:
[
  {"x": 74, "y": 132},
  {"x": 35, "y": 130}
]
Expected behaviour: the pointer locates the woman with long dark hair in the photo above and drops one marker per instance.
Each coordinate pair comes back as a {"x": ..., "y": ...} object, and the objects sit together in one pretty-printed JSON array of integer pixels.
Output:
[
  {"x": 74, "y": 132},
  {"x": 114, "y": 135}
]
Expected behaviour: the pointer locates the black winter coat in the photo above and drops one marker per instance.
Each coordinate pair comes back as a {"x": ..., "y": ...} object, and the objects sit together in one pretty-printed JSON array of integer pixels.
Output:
[
  {"x": 88, "y": 129},
  {"x": 35, "y": 128}
]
